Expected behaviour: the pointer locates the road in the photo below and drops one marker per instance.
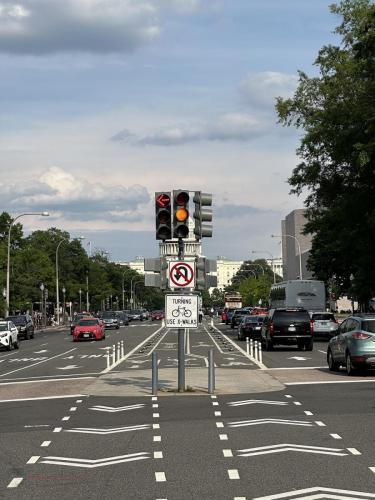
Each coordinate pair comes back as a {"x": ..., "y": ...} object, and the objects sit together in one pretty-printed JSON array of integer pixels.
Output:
[{"x": 316, "y": 437}]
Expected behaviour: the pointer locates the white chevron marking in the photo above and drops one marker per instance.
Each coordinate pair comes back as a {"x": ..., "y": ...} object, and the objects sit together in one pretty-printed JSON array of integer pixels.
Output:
[
  {"x": 91, "y": 464},
  {"x": 257, "y": 401},
  {"x": 280, "y": 448},
  {"x": 111, "y": 430},
  {"x": 113, "y": 409},
  {"x": 259, "y": 421},
  {"x": 321, "y": 494}
]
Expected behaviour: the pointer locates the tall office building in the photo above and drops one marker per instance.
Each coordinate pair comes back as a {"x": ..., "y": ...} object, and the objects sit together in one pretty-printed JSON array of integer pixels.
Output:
[{"x": 293, "y": 225}]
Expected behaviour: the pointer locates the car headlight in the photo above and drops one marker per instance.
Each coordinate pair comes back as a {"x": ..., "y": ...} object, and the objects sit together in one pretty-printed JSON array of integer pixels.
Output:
[{"x": 4, "y": 334}]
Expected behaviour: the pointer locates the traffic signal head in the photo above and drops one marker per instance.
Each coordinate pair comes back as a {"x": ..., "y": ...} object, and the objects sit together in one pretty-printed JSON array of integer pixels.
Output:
[
  {"x": 180, "y": 214},
  {"x": 163, "y": 209},
  {"x": 202, "y": 215}
]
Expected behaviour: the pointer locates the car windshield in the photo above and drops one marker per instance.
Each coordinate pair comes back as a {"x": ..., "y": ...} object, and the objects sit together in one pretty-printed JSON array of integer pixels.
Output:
[
  {"x": 369, "y": 326},
  {"x": 323, "y": 317},
  {"x": 3, "y": 327},
  {"x": 137, "y": 311},
  {"x": 109, "y": 315},
  {"x": 88, "y": 322},
  {"x": 255, "y": 319},
  {"x": 17, "y": 320},
  {"x": 291, "y": 316}
]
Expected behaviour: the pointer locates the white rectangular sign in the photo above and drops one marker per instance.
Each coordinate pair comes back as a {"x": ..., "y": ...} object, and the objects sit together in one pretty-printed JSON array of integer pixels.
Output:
[{"x": 181, "y": 311}]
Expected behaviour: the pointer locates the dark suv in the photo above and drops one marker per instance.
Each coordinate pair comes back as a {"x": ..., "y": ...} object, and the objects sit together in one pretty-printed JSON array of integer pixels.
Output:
[
  {"x": 24, "y": 324},
  {"x": 237, "y": 316},
  {"x": 288, "y": 327}
]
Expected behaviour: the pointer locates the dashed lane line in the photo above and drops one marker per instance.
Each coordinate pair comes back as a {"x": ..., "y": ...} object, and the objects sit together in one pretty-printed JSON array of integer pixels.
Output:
[
  {"x": 233, "y": 474},
  {"x": 41, "y": 398},
  {"x": 45, "y": 444},
  {"x": 16, "y": 481},
  {"x": 227, "y": 453},
  {"x": 335, "y": 436},
  {"x": 160, "y": 477},
  {"x": 158, "y": 454}
]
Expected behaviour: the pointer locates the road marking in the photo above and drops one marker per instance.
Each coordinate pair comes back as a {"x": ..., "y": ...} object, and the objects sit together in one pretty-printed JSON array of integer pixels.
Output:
[
  {"x": 79, "y": 401},
  {"x": 227, "y": 453},
  {"x": 158, "y": 454},
  {"x": 156, "y": 426},
  {"x": 68, "y": 367},
  {"x": 155, "y": 415},
  {"x": 160, "y": 477},
  {"x": 155, "y": 406},
  {"x": 33, "y": 460},
  {"x": 114, "y": 409},
  {"x": 335, "y": 436},
  {"x": 233, "y": 474},
  {"x": 223, "y": 437},
  {"x": 158, "y": 342},
  {"x": 258, "y": 401},
  {"x": 65, "y": 419},
  {"x": 288, "y": 396},
  {"x": 295, "y": 368},
  {"x": 299, "y": 358},
  {"x": 217, "y": 413},
  {"x": 156, "y": 439},
  {"x": 372, "y": 469},
  {"x": 320, "y": 493},
  {"x": 213, "y": 397},
  {"x": 332, "y": 382},
  {"x": 323, "y": 352},
  {"x": 108, "y": 430},
  {"x": 40, "y": 352},
  {"x": 297, "y": 403},
  {"x": 91, "y": 464},
  {"x": 219, "y": 424},
  {"x": 73, "y": 408},
  {"x": 44, "y": 380},
  {"x": 260, "y": 421},
  {"x": 45, "y": 443},
  {"x": 215, "y": 403},
  {"x": 307, "y": 412},
  {"x": 280, "y": 448},
  {"x": 38, "y": 363},
  {"x": 354, "y": 451},
  {"x": 57, "y": 429},
  {"x": 214, "y": 341},
  {"x": 239, "y": 498},
  {"x": 154, "y": 398},
  {"x": 16, "y": 481},
  {"x": 32, "y": 426},
  {"x": 320, "y": 424}
]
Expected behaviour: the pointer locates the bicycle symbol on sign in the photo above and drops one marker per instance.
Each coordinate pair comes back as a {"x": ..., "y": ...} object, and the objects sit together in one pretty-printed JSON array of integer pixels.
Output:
[{"x": 181, "y": 311}]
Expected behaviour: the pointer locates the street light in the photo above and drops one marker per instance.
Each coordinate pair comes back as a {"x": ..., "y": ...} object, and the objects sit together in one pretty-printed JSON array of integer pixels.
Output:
[
  {"x": 80, "y": 300},
  {"x": 57, "y": 276},
  {"x": 137, "y": 283},
  {"x": 272, "y": 257},
  {"x": 63, "y": 291},
  {"x": 299, "y": 249},
  {"x": 258, "y": 265},
  {"x": 7, "y": 300}
]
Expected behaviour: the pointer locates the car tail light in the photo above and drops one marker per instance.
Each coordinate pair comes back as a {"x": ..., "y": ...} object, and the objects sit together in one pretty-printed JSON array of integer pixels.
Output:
[
  {"x": 359, "y": 359},
  {"x": 272, "y": 329},
  {"x": 311, "y": 327},
  {"x": 360, "y": 336}
]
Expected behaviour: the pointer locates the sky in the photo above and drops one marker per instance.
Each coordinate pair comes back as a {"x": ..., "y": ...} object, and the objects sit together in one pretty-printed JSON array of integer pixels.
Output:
[{"x": 104, "y": 102}]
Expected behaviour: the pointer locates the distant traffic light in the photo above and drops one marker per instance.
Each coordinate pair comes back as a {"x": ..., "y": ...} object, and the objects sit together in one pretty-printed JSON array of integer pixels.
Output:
[
  {"x": 202, "y": 215},
  {"x": 180, "y": 213},
  {"x": 163, "y": 217}
]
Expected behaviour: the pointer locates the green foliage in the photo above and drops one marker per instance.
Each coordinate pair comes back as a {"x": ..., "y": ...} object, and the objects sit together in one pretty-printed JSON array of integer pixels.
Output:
[
  {"x": 33, "y": 262},
  {"x": 336, "y": 111}
]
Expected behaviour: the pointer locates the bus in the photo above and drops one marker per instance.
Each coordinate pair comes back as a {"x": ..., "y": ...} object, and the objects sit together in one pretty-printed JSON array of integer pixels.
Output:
[{"x": 309, "y": 294}]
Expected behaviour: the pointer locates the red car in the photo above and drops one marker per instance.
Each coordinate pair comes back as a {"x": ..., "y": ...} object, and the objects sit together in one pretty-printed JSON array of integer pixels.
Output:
[
  {"x": 89, "y": 329},
  {"x": 224, "y": 316},
  {"x": 157, "y": 315}
]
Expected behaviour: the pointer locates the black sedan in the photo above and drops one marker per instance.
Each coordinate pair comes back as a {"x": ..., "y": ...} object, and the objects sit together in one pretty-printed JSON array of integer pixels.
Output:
[
  {"x": 237, "y": 316},
  {"x": 250, "y": 326}
]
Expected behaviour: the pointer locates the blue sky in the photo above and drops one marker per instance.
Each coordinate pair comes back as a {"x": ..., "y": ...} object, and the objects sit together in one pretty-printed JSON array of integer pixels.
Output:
[{"x": 104, "y": 102}]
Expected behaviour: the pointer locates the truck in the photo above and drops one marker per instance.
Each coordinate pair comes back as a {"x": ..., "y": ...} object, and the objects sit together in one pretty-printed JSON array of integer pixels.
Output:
[
  {"x": 233, "y": 300},
  {"x": 309, "y": 294}
]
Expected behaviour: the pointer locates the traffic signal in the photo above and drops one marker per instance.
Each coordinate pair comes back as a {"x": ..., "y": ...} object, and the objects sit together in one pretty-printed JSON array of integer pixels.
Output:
[
  {"x": 163, "y": 211},
  {"x": 180, "y": 214},
  {"x": 203, "y": 279},
  {"x": 202, "y": 215}
]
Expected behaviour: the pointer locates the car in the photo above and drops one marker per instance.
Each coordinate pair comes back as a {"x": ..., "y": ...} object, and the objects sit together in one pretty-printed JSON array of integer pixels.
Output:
[
  {"x": 353, "y": 346},
  {"x": 136, "y": 314},
  {"x": 24, "y": 324},
  {"x": 76, "y": 319},
  {"x": 110, "y": 320},
  {"x": 229, "y": 313},
  {"x": 89, "y": 329},
  {"x": 285, "y": 326},
  {"x": 259, "y": 311},
  {"x": 123, "y": 318},
  {"x": 325, "y": 324},
  {"x": 157, "y": 315},
  {"x": 250, "y": 326},
  {"x": 145, "y": 314},
  {"x": 8, "y": 335},
  {"x": 237, "y": 317},
  {"x": 223, "y": 316}
]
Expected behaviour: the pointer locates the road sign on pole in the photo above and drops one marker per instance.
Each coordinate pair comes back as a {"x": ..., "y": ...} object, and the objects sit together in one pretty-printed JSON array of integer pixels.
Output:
[
  {"x": 181, "y": 311},
  {"x": 181, "y": 274}
]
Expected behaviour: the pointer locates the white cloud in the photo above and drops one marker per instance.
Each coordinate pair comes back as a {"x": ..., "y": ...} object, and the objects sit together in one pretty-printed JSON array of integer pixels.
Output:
[
  {"x": 261, "y": 89},
  {"x": 103, "y": 26},
  {"x": 75, "y": 198},
  {"x": 226, "y": 127}
]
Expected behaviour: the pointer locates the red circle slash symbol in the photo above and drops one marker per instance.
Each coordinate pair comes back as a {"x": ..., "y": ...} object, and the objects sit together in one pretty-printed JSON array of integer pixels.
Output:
[
  {"x": 181, "y": 274},
  {"x": 163, "y": 200}
]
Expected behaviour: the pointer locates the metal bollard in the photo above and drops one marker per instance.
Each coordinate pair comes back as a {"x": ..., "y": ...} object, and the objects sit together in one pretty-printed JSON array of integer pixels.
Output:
[
  {"x": 122, "y": 349},
  {"x": 108, "y": 357},
  {"x": 211, "y": 372},
  {"x": 251, "y": 348},
  {"x": 113, "y": 354},
  {"x": 155, "y": 384},
  {"x": 256, "y": 350},
  {"x": 247, "y": 346},
  {"x": 260, "y": 358},
  {"x": 118, "y": 351}
]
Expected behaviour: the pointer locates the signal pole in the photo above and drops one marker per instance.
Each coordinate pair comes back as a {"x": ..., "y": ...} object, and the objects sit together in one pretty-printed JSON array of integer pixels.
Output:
[{"x": 181, "y": 334}]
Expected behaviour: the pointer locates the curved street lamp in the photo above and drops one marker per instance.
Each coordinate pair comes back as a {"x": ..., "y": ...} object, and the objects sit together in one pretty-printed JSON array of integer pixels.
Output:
[
  {"x": 7, "y": 299},
  {"x": 299, "y": 249},
  {"x": 137, "y": 283},
  {"x": 272, "y": 258}
]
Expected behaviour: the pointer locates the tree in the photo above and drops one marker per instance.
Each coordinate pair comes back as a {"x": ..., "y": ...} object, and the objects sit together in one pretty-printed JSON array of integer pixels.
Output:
[{"x": 336, "y": 111}]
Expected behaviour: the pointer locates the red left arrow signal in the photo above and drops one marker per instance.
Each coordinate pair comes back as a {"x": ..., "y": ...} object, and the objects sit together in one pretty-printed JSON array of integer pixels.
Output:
[{"x": 163, "y": 200}]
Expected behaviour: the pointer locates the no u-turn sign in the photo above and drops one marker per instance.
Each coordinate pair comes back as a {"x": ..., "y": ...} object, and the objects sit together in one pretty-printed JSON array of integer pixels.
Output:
[{"x": 181, "y": 274}]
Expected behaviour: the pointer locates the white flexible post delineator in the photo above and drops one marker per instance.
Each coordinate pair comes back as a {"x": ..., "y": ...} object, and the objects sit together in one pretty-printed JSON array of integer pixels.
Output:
[
  {"x": 108, "y": 356},
  {"x": 113, "y": 354},
  {"x": 118, "y": 351},
  {"x": 247, "y": 346},
  {"x": 251, "y": 348},
  {"x": 260, "y": 357},
  {"x": 122, "y": 349},
  {"x": 256, "y": 350}
]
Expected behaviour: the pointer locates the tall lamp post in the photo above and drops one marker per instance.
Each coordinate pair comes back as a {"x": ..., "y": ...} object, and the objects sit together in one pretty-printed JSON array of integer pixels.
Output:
[
  {"x": 137, "y": 283},
  {"x": 7, "y": 299},
  {"x": 299, "y": 249},
  {"x": 80, "y": 300},
  {"x": 272, "y": 258},
  {"x": 63, "y": 310},
  {"x": 57, "y": 276}
]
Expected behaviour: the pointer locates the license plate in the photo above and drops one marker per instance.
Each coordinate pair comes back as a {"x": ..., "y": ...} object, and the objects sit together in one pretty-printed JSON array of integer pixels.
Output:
[
  {"x": 292, "y": 329},
  {"x": 86, "y": 335}
]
